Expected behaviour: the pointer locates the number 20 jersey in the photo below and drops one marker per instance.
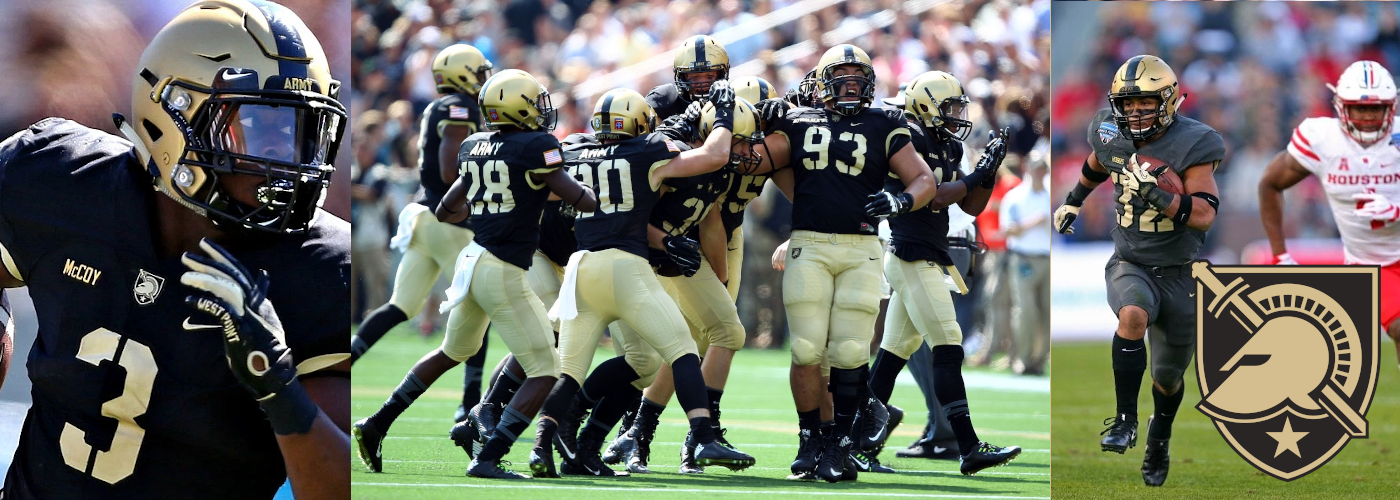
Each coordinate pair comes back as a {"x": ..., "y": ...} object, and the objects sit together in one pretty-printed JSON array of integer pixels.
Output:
[
  {"x": 838, "y": 162},
  {"x": 1144, "y": 235},
  {"x": 128, "y": 403},
  {"x": 620, "y": 173}
]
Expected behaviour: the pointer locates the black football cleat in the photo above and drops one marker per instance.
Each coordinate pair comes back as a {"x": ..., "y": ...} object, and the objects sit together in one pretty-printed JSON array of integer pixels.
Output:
[
  {"x": 621, "y": 446},
  {"x": 589, "y": 462},
  {"x": 493, "y": 470},
  {"x": 865, "y": 462},
  {"x": 542, "y": 462},
  {"x": 930, "y": 450},
  {"x": 688, "y": 463},
  {"x": 809, "y": 453},
  {"x": 716, "y": 454},
  {"x": 566, "y": 436},
  {"x": 642, "y": 433},
  {"x": 1121, "y": 433},
  {"x": 986, "y": 456},
  {"x": 874, "y": 429},
  {"x": 896, "y": 416},
  {"x": 832, "y": 467},
  {"x": 1155, "y": 462},
  {"x": 370, "y": 444}
]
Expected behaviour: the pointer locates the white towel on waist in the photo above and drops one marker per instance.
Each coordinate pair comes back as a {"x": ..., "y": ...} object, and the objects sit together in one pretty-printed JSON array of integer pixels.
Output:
[
  {"x": 402, "y": 238},
  {"x": 566, "y": 306},
  {"x": 462, "y": 276}
]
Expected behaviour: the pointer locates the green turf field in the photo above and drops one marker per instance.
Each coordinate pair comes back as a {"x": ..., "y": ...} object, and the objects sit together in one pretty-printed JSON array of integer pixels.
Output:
[
  {"x": 1203, "y": 465},
  {"x": 420, "y": 462}
]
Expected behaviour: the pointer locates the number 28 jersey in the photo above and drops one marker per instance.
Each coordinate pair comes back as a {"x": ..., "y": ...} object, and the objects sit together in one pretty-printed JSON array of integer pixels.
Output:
[
  {"x": 839, "y": 162},
  {"x": 133, "y": 397},
  {"x": 620, "y": 173},
  {"x": 505, "y": 201}
]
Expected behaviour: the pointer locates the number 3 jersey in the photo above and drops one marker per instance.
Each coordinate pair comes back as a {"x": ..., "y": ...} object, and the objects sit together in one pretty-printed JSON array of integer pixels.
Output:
[
  {"x": 133, "y": 397},
  {"x": 620, "y": 173},
  {"x": 504, "y": 199},
  {"x": 838, "y": 162},
  {"x": 1143, "y": 235},
  {"x": 1345, "y": 169}
]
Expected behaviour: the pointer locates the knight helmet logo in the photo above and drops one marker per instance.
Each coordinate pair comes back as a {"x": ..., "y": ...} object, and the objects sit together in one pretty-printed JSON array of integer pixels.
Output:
[{"x": 1287, "y": 359}]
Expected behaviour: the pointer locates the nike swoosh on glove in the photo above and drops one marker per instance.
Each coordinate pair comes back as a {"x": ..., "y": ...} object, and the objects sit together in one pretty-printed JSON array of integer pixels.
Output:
[
  {"x": 1064, "y": 218},
  {"x": 685, "y": 252},
  {"x": 1376, "y": 207},
  {"x": 885, "y": 203},
  {"x": 252, "y": 333}
]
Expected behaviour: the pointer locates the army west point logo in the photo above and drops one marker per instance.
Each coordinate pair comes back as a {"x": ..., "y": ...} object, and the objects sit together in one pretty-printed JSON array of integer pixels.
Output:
[{"x": 1287, "y": 359}]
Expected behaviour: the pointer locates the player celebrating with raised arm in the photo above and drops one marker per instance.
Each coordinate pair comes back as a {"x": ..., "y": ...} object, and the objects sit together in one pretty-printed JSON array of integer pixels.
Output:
[
  {"x": 921, "y": 307},
  {"x": 211, "y": 303},
  {"x": 1139, "y": 141},
  {"x": 1354, "y": 156}
]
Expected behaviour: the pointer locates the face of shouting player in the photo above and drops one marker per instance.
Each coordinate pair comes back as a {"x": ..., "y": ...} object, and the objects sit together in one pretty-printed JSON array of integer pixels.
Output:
[
  {"x": 848, "y": 90},
  {"x": 700, "y": 82}
]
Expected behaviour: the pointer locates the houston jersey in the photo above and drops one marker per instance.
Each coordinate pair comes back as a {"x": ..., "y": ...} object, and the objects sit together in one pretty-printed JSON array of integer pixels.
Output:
[
  {"x": 666, "y": 101},
  {"x": 506, "y": 202},
  {"x": 743, "y": 189},
  {"x": 1143, "y": 235},
  {"x": 1346, "y": 168},
  {"x": 451, "y": 109},
  {"x": 128, "y": 403},
  {"x": 621, "y": 175},
  {"x": 923, "y": 234},
  {"x": 839, "y": 162}
]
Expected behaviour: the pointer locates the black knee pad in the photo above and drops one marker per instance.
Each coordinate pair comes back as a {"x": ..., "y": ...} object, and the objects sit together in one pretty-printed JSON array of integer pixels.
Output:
[
  {"x": 945, "y": 355},
  {"x": 848, "y": 381}
]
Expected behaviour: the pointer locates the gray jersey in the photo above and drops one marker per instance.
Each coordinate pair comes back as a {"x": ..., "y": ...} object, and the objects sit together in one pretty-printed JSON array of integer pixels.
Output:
[{"x": 1144, "y": 235}]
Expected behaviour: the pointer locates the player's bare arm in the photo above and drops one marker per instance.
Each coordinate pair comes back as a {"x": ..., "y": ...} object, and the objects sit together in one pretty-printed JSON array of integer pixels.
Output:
[
  {"x": 914, "y": 172},
  {"x": 452, "y": 136},
  {"x": 1283, "y": 172},
  {"x": 561, "y": 184},
  {"x": 1199, "y": 181},
  {"x": 709, "y": 157},
  {"x": 713, "y": 243},
  {"x": 453, "y": 208},
  {"x": 783, "y": 179},
  {"x": 965, "y": 191},
  {"x": 1091, "y": 175}
]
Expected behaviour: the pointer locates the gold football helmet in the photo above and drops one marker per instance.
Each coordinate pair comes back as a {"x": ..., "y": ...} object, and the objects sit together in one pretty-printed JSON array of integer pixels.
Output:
[
  {"x": 514, "y": 98},
  {"x": 754, "y": 89},
  {"x": 229, "y": 87},
  {"x": 622, "y": 114},
  {"x": 698, "y": 54},
  {"x": 829, "y": 86},
  {"x": 460, "y": 68},
  {"x": 748, "y": 136},
  {"x": 938, "y": 101},
  {"x": 1145, "y": 76}
]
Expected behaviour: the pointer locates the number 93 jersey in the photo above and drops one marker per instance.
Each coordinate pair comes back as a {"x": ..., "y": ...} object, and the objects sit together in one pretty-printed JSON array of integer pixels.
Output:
[
  {"x": 620, "y": 173},
  {"x": 133, "y": 397},
  {"x": 506, "y": 202},
  {"x": 1144, "y": 235},
  {"x": 839, "y": 162}
]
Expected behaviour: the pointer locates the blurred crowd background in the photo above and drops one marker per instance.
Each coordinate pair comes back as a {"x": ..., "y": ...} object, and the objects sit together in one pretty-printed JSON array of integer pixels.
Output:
[
  {"x": 76, "y": 59},
  {"x": 579, "y": 49},
  {"x": 1251, "y": 70}
]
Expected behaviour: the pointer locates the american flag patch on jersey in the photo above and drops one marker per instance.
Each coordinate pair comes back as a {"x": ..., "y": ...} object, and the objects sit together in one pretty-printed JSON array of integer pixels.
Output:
[
  {"x": 552, "y": 157},
  {"x": 1107, "y": 131},
  {"x": 672, "y": 146},
  {"x": 458, "y": 112}
]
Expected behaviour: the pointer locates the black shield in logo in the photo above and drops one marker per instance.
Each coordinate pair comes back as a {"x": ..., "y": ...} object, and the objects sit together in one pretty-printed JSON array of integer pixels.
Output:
[{"x": 1287, "y": 359}]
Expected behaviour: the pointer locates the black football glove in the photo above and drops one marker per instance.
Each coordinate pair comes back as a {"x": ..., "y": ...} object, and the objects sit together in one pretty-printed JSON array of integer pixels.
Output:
[
  {"x": 885, "y": 203},
  {"x": 722, "y": 97},
  {"x": 992, "y": 156},
  {"x": 236, "y": 300},
  {"x": 772, "y": 112},
  {"x": 685, "y": 252},
  {"x": 897, "y": 115}
]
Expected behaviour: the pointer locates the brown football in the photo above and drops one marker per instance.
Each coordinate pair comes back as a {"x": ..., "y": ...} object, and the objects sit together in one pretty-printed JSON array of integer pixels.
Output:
[{"x": 1167, "y": 179}]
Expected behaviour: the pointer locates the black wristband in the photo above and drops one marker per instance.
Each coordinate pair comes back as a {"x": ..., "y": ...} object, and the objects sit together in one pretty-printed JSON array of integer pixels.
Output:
[
  {"x": 1077, "y": 195},
  {"x": 1183, "y": 212},
  {"x": 1091, "y": 174},
  {"x": 290, "y": 411},
  {"x": 1156, "y": 197},
  {"x": 1210, "y": 198}
]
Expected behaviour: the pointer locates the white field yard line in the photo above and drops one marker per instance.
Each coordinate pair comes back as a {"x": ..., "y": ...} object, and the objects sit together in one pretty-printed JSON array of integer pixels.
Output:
[
  {"x": 655, "y": 465},
  {"x": 515, "y": 485}
]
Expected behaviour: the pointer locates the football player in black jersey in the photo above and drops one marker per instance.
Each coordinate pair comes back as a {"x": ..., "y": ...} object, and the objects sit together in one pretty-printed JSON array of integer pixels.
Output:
[
  {"x": 213, "y": 303},
  {"x": 840, "y": 155},
  {"x": 430, "y": 246},
  {"x": 629, "y": 166},
  {"x": 700, "y": 61},
  {"x": 921, "y": 307},
  {"x": 1158, "y": 234},
  {"x": 504, "y": 175}
]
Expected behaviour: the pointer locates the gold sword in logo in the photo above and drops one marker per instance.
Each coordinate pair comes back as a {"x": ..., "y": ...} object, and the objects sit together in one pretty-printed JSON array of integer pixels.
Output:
[{"x": 1228, "y": 297}]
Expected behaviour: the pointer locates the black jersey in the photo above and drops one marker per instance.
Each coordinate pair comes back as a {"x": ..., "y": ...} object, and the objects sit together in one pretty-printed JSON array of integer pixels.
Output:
[
  {"x": 127, "y": 402},
  {"x": 923, "y": 234},
  {"x": 621, "y": 174},
  {"x": 690, "y": 199},
  {"x": 1143, "y": 235},
  {"x": 742, "y": 190},
  {"x": 557, "y": 240},
  {"x": 838, "y": 162},
  {"x": 451, "y": 109},
  {"x": 666, "y": 101},
  {"x": 505, "y": 201}
]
